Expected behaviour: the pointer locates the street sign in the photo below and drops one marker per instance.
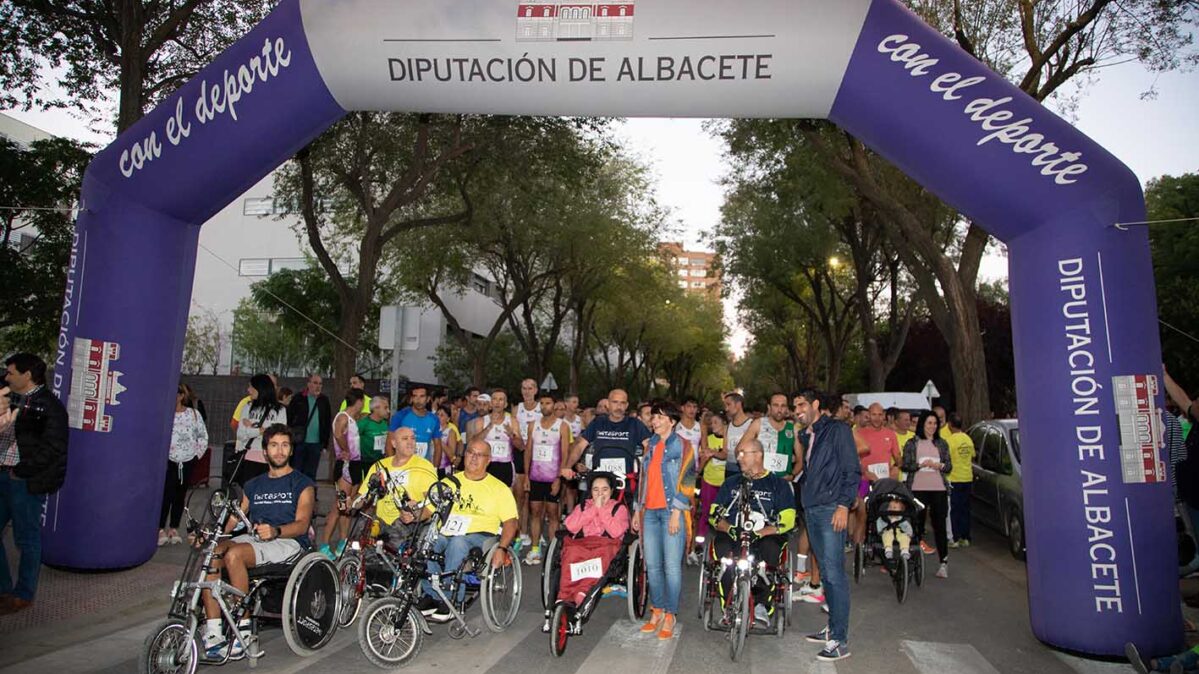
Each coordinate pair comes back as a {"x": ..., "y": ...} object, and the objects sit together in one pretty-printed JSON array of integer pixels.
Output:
[
  {"x": 930, "y": 391},
  {"x": 548, "y": 384},
  {"x": 394, "y": 319}
]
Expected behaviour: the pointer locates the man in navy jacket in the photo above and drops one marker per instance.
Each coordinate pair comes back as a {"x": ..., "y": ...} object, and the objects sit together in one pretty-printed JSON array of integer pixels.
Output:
[{"x": 828, "y": 487}]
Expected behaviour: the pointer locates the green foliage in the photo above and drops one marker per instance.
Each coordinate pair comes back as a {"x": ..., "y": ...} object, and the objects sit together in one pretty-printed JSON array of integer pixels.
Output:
[
  {"x": 262, "y": 343},
  {"x": 202, "y": 344},
  {"x": 38, "y": 180},
  {"x": 1175, "y": 249}
]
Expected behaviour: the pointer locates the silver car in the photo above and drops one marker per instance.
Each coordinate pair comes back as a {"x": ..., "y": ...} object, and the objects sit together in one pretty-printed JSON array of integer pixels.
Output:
[{"x": 998, "y": 492}]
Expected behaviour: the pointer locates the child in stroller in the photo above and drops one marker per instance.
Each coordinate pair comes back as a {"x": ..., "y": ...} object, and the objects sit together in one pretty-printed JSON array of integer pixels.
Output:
[{"x": 893, "y": 509}]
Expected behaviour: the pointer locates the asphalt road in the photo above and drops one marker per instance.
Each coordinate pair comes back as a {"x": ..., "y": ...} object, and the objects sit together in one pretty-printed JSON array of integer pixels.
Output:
[{"x": 976, "y": 621}]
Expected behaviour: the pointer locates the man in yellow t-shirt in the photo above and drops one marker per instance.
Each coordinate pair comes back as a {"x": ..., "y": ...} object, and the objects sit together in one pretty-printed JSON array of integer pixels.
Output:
[
  {"x": 484, "y": 507},
  {"x": 961, "y": 479},
  {"x": 901, "y": 422},
  {"x": 405, "y": 475}
]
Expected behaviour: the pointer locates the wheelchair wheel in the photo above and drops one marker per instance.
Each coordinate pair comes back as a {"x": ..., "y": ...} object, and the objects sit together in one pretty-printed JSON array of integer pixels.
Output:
[
  {"x": 500, "y": 591},
  {"x": 899, "y": 577},
  {"x": 553, "y": 559},
  {"x": 560, "y": 629},
  {"x": 311, "y": 604},
  {"x": 742, "y": 620},
  {"x": 859, "y": 561},
  {"x": 349, "y": 574},
  {"x": 385, "y": 643},
  {"x": 789, "y": 592},
  {"x": 167, "y": 650},
  {"x": 706, "y": 617},
  {"x": 636, "y": 586},
  {"x": 918, "y": 571}
]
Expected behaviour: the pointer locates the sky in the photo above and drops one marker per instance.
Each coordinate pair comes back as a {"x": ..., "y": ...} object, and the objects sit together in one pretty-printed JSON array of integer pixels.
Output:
[{"x": 1153, "y": 136}]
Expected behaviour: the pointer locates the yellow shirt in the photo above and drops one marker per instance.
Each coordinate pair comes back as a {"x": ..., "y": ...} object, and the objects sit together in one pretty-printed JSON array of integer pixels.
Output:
[
  {"x": 414, "y": 477},
  {"x": 903, "y": 440},
  {"x": 482, "y": 506},
  {"x": 237, "y": 410},
  {"x": 714, "y": 468},
  {"x": 945, "y": 433},
  {"x": 366, "y": 405},
  {"x": 961, "y": 452}
]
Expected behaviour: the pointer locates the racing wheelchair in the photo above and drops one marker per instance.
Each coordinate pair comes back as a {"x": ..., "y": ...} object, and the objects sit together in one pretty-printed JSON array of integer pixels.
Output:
[
  {"x": 734, "y": 612},
  {"x": 891, "y": 501},
  {"x": 566, "y": 617},
  {"x": 392, "y": 629},
  {"x": 300, "y": 594}
]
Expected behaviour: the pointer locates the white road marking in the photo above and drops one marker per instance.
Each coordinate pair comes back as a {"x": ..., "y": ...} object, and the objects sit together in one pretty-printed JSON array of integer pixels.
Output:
[
  {"x": 625, "y": 649},
  {"x": 100, "y": 653},
  {"x": 936, "y": 658}
]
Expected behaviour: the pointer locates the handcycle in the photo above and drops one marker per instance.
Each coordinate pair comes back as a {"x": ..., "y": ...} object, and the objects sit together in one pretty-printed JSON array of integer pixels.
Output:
[
  {"x": 392, "y": 629},
  {"x": 735, "y": 612},
  {"x": 301, "y": 594},
  {"x": 627, "y": 567}
]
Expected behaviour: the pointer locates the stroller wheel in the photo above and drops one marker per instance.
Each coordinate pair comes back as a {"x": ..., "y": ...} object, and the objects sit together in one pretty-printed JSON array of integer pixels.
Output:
[{"x": 560, "y": 629}]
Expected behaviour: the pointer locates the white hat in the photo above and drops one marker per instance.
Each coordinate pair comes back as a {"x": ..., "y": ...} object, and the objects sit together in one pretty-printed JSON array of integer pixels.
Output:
[{"x": 483, "y": 398}]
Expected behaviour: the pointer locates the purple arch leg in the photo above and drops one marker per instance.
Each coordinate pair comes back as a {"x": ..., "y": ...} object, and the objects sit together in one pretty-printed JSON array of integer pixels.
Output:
[
  {"x": 126, "y": 305},
  {"x": 1102, "y": 566}
]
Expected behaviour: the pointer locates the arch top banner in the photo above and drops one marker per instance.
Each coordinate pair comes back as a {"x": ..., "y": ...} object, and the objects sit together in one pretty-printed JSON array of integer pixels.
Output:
[{"x": 626, "y": 58}]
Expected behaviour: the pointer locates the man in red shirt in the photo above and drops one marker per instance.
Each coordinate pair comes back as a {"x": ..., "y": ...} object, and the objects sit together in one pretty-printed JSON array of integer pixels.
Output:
[{"x": 883, "y": 458}]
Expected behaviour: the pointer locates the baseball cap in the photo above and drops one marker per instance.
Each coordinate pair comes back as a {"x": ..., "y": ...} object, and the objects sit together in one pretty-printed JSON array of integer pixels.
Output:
[{"x": 483, "y": 398}]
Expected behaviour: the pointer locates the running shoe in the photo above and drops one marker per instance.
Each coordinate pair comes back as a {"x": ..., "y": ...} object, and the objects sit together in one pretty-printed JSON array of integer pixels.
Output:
[
  {"x": 440, "y": 614},
  {"x": 943, "y": 570},
  {"x": 692, "y": 558},
  {"x": 811, "y": 595},
  {"x": 175, "y": 539},
  {"x": 802, "y": 577},
  {"x": 534, "y": 556},
  {"x": 426, "y": 605},
  {"x": 820, "y": 637},
  {"x": 833, "y": 651},
  {"x": 162, "y": 538},
  {"x": 926, "y": 548},
  {"x": 615, "y": 590},
  {"x": 824, "y": 607},
  {"x": 327, "y": 551},
  {"x": 761, "y": 615},
  {"x": 525, "y": 540}
]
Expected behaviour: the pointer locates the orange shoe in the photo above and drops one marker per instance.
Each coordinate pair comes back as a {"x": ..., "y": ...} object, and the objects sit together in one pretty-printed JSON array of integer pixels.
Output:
[
  {"x": 654, "y": 619},
  {"x": 667, "y": 630}
]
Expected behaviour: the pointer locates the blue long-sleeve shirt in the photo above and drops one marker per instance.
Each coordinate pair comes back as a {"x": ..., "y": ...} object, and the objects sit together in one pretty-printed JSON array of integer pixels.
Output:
[{"x": 832, "y": 472}]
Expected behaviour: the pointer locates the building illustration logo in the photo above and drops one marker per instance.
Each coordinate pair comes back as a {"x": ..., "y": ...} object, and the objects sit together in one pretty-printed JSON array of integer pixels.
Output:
[
  {"x": 540, "y": 21},
  {"x": 94, "y": 384}
]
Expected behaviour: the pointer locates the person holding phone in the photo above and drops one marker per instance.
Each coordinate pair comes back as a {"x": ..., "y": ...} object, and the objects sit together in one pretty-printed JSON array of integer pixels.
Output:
[{"x": 927, "y": 464}]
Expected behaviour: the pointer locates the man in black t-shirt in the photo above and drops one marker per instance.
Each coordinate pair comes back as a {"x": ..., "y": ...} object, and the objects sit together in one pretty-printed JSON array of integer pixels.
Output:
[{"x": 615, "y": 441}]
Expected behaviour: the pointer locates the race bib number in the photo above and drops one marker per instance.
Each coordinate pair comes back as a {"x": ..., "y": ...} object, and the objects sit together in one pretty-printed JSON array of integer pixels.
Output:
[
  {"x": 614, "y": 466},
  {"x": 399, "y": 479},
  {"x": 879, "y": 470},
  {"x": 543, "y": 454},
  {"x": 422, "y": 450},
  {"x": 456, "y": 525},
  {"x": 380, "y": 443},
  {"x": 776, "y": 463},
  {"x": 501, "y": 451},
  {"x": 591, "y": 568}
]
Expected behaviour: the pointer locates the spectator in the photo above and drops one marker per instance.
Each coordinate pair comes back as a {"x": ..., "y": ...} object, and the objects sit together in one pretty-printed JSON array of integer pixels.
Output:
[
  {"x": 927, "y": 462},
  {"x": 358, "y": 382},
  {"x": 189, "y": 441},
  {"x": 33, "y": 463},
  {"x": 263, "y": 411},
  {"x": 961, "y": 480},
  {"x": 311, "y": 419}
]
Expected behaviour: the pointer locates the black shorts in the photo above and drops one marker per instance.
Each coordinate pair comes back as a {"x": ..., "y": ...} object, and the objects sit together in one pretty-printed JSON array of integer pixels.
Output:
[
  {"x": 357, "y": 468},
  {"x": 798, "y": 502},
  {"x": 503, "y": 471},
  {"x": 540, "y": 491},
  {"x": 518, "y": 460}
]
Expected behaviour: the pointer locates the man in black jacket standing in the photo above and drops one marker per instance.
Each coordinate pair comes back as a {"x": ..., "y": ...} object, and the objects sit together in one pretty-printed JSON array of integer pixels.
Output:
[
  {"x": 310, "y": 417},
  {"x": 33, "y": 463}
]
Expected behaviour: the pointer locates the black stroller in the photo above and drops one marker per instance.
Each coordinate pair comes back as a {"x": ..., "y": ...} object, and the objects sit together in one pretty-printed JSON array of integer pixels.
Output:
[{"x": 892, "y": 514}]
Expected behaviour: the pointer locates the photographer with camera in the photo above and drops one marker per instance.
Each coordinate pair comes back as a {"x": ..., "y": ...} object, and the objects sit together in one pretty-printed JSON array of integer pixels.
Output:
[{"x": 33, "y": 463}]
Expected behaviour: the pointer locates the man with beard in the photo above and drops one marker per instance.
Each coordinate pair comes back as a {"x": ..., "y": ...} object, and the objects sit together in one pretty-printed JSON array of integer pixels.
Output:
[
  {"x": 279, "y": 503},
  {"x": 423, "y": 423}
]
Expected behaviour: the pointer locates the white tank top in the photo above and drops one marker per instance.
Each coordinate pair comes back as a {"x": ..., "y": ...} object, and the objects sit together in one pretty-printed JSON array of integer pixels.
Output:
[
  {"x": 691, "y": 435},
  {"x": 547, "y": 451},
  {"x": 525, "y": 417},
  {"x": 500, "y": 440},
  {"x": 352, "y": 448},
  {"x": 576, "y": 427},
  {"x": 732, "y": 436}
]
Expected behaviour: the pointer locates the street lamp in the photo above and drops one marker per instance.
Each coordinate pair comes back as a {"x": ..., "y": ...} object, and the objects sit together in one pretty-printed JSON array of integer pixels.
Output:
[{"x": 834, "y": 262}]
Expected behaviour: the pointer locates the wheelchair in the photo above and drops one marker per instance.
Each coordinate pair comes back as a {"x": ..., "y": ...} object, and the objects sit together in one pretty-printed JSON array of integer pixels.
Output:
[
  {"x": 902, "y": 571},
  {"x": 566, "y": 618},
  {"x": 300, "y": 594},
  {"x": 735, "y": 612},
  {"x": 392, "y": 629}
]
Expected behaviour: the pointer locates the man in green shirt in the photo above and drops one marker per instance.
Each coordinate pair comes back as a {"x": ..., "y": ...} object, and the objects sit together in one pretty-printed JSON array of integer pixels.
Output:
[
  {"x": 777, "y": 436},
  {"x": 372, "y": 431},
  {"x": 961, "y": 479}
]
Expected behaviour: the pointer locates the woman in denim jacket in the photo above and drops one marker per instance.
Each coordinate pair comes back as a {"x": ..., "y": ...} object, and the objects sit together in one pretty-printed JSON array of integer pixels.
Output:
[{"x": 661, "y": 505}]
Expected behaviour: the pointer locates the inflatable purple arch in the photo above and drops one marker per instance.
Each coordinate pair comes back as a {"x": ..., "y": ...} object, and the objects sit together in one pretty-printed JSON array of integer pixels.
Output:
[{"x": 1101, "y": 560}]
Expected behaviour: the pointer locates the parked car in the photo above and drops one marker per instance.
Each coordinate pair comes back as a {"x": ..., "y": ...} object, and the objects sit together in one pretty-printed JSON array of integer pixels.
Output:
[{"x": 998, "y": 492}]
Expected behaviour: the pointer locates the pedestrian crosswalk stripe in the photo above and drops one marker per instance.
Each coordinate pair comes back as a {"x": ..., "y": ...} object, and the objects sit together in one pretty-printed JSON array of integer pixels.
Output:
[
  {"x": 936, "y": 658},
  {"x": 625, "y": 649}
]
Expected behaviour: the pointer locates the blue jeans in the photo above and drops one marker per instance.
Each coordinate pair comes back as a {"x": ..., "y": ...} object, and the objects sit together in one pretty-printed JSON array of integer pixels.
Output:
[
  {"x": 24, "y": 510},
  {"x": 455, "y": 549},
  {"x": 307, "y": 458},
  {"x": 829, "y": 548},
  {"x": 663, "y": 559}
]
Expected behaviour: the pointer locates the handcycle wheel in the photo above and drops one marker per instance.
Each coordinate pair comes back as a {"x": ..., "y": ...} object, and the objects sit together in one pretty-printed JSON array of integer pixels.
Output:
[
  {"x": 384, "y": 642},
  {"x": 789, "y": 592},
  {"x": 311, "y": 604},
  {"x": 547, "y": 573},
  {"x": 706, "y": 617},
  {"x": 918, "y": 572},
  {"x": 500, "y": 590},
  {"x": 560, "y": 629},
  {"x": 168, "y": 650},
  {"x": 859, "y": 561},
  {"x": 349, "y": 574},
  {"x": 742, "y": 620},
  {"x": 899, "y": 576},
  {"x": 636, "y": 586},
  {"x": 704, "y": 578}
]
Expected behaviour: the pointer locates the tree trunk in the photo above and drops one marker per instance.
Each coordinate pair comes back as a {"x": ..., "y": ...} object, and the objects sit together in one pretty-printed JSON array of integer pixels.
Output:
[{"x": 132, "y": 79}]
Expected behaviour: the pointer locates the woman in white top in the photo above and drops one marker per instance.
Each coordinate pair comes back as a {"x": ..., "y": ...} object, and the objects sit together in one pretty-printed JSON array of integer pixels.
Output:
[
  {"x": 264, "y": 410},
  {"x": 189, "y": 441}
]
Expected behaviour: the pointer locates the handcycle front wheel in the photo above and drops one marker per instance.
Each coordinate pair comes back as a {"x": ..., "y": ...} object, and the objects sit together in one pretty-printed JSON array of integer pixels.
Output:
[
  {"x": 740, "y": 627},
  {"x": 500, "y": 590},
  {"x": 704, "y": 578},
  {"x": 168, "y": 650},
  {"x": 349, "y": 573},
  {"x": 384, "y": 639}
]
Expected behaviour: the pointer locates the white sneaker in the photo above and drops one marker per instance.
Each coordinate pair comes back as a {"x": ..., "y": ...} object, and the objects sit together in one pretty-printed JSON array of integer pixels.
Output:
[
  {"x": 162, "y": 538},
  {"x": 761, "y": 615},
  {"x": 525, "y": 540},
  {"x": 692, "y": 559},
  {"x": 534, "y": 557},
  {"x": 943, "y": 570}
]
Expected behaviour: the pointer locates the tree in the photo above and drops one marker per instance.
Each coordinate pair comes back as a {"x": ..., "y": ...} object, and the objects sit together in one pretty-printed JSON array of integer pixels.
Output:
[
  {"x": 1175, "y": 247},
  {"x": 140, "y": 49},
  {"x": 38, "y": 187},
  {"x": 263, "y": 344},
  {"x": 202, "y": 344}
]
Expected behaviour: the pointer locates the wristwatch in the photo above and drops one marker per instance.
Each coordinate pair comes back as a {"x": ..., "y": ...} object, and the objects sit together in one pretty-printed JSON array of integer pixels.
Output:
[{"x": 276, "y": 533}]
